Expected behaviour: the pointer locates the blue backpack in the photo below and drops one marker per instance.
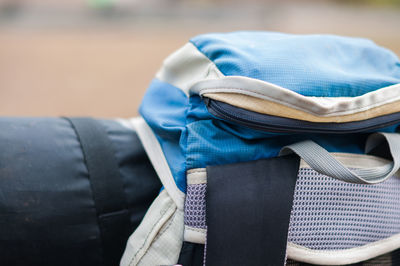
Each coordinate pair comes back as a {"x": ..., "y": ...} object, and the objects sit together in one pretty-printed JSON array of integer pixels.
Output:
[{"x": 272, "y": 148}]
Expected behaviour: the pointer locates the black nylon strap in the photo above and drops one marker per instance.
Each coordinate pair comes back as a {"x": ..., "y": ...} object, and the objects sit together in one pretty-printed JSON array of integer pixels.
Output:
[
  {"x": 106, "y": 183},
  {"x": 192, "y": 254},
  {"x": 248, "y": 211}
]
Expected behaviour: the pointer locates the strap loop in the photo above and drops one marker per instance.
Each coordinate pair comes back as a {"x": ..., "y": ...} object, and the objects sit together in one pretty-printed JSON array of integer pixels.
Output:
[
  {"x": 323, "y": 162},
  {"x": 106, "y": 183}
]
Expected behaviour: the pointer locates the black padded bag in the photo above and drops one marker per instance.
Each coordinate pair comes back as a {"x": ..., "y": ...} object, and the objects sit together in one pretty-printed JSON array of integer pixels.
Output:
[{"x": 72, "y": 190}]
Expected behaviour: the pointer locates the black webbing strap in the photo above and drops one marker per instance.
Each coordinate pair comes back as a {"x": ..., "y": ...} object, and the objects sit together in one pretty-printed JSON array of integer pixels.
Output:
[
  {"x": 192, "y": 254},
  {"x": 248, "y": 209},
  {"x": 106, "y": 183}
]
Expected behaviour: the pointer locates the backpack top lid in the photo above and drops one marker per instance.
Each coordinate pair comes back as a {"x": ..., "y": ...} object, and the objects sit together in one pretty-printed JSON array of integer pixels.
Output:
[
  {"x": 311, "y": 65},
  {"x": 321, "y": 78}
]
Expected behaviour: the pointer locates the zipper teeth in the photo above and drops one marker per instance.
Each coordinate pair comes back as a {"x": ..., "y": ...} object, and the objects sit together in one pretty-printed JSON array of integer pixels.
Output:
[
  {"x": 228, "y": 116},
  {"x": 279, "y": 128}
]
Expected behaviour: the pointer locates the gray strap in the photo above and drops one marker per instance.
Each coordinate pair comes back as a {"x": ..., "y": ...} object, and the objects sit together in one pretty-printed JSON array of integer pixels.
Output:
[{"x": 323, "y": 162}]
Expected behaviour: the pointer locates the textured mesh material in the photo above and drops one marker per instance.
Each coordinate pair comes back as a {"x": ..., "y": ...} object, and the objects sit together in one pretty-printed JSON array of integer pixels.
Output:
[
  {"x": 195, "y": 206},
  {"x": 329, "y": 214}
]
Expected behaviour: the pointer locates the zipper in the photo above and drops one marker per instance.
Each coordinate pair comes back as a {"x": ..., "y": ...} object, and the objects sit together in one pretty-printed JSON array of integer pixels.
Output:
[{"x": 275, "y": 124}]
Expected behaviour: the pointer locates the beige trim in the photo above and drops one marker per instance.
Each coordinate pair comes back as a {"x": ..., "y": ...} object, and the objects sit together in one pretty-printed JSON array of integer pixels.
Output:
[
  {"x": 271, "y": 108},
  {"x": 318, "y": 106},
  {"x": 158, "y": 238},
  {"x": 195, "y": 235},
  {"x": 196, "y": 176},
  {"x": 343, "y": 257}
]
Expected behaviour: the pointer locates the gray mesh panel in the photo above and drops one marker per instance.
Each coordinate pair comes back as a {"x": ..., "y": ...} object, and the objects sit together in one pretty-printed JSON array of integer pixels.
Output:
[
  {"x": 332, "y": 214},
  {"x": 327, "y": 214},
  {"x": 195, "y": 206}
]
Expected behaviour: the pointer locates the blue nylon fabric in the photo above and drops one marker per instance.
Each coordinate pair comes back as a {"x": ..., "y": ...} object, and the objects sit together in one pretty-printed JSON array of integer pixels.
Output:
[
  {"x": 209, "y": 143},
  {"x": 191, "y": 137},
  {"x": 311, "y": 65},
  {"x": 215, "y": 142},
  {"x": 164, "y": 108}
]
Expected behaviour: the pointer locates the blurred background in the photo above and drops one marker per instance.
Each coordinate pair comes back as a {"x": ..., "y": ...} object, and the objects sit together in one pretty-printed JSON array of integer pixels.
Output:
[{"x": 96, "y": 57}]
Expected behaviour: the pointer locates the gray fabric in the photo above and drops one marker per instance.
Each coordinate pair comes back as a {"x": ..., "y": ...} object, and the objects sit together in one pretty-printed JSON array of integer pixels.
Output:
[
  {"x": 323, "y": 162},
  {"x": 329, "y": 214}
]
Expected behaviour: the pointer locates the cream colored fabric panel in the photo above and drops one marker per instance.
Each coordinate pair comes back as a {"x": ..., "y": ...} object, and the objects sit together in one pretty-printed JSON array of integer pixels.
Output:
[
  {"x": 158, "y": 239},
  {"x": 271, "y": 108},
  {"x": 195, "y": 235},
  {"x": 319, "y": 106},
  {"x": 166, "y": 247},
  {"x": 196, "y": 176},
  {"x": 187, "y": 66}
]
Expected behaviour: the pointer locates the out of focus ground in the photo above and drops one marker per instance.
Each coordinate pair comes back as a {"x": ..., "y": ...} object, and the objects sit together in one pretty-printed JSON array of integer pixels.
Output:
[{"x": 78, "y": 61}]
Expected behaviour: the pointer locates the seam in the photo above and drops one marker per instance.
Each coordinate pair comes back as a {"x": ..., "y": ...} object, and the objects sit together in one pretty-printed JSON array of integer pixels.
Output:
[
  {"x": 194, "y": 237},
  {"x": 196, "y": 170},
  {"x": 200, "y": 230},
  {"x": 184, "y": 150},
  {"x": 211, "y": 62},
  {"x": 160, "y": 234},
  {"x": 166, "y": 227},
  {"x": 149, "y": 233}
]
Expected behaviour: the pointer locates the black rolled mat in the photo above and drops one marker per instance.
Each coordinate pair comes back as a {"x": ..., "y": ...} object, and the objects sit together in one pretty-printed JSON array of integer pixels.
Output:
[{"x": 51, "y": 212}]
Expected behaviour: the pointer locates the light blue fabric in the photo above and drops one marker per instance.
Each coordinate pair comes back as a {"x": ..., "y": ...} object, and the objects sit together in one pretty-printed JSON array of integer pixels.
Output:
[
  {"x": 192, "y": 138},
  {"x": 213, "y": 142},
  {"x": 311, "y": 65},
  {"x": 164, "y": 108}
]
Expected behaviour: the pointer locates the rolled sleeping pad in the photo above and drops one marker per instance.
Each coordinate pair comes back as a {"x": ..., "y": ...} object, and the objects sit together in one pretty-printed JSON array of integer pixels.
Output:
[{"x": 72, "y": 190}]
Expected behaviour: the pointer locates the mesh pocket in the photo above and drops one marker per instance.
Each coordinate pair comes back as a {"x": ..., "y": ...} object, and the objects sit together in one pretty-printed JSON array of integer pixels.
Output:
[
  {"x": 329, "y": 214},
  {"x": 195, "y": 206}
]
